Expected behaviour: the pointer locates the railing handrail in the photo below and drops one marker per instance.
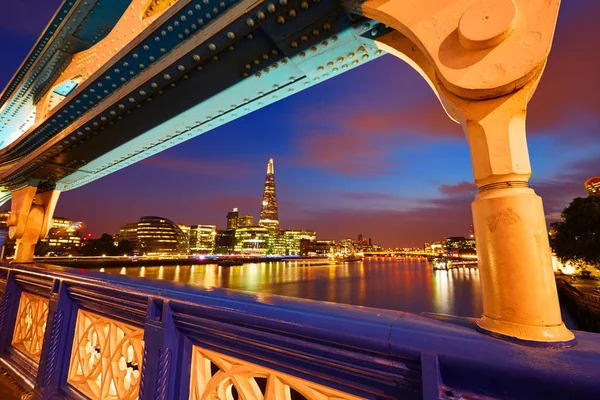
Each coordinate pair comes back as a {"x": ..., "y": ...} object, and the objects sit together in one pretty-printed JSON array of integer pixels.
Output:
[{"x": 393, "y": 349}]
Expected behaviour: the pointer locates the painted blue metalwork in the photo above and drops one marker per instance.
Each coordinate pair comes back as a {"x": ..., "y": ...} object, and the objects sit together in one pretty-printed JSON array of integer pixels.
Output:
[
  {"x": 258, "y": 59},
  {"x": 376, "y": 354},
  {"x": 65, "y": 88},
  {"x": 66, "y": 35}
]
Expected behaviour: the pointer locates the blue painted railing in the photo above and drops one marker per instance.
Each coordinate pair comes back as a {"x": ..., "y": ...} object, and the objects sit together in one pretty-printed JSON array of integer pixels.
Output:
[{"x": 359, "y": 352}]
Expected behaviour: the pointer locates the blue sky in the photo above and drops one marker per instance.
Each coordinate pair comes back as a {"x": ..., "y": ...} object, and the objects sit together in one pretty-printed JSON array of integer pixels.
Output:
[{"x": 370, "y": 151}]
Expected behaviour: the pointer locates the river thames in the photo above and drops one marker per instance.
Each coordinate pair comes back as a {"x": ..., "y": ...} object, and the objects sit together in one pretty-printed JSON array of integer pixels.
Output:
[{"x": 407, "y": 285}]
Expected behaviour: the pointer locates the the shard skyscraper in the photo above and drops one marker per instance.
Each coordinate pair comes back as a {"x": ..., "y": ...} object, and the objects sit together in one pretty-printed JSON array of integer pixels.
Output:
[{"x": 269, "y": 217}]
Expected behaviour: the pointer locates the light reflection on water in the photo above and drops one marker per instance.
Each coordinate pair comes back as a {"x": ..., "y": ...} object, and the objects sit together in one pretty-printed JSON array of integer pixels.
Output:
[{"x": 407, "y": 285}]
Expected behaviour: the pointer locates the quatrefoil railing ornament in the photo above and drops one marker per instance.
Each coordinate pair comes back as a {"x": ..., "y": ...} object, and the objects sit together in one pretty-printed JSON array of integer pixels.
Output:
[
  {"x": 30, "y": 325},
  {"x": 106, "y": 358}
]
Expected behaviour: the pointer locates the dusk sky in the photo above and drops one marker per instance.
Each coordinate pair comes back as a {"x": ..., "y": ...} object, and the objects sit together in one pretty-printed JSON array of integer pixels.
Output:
[{"x": 370, "y": 151}]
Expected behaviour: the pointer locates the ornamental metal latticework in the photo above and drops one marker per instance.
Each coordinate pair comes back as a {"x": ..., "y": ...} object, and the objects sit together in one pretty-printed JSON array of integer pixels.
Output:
[
  {"x": 106, "y": 359},
  {"x": 217, "y": 376},
  {"x": 30, "y": 325},
  {"x": 269, "y": 216}
]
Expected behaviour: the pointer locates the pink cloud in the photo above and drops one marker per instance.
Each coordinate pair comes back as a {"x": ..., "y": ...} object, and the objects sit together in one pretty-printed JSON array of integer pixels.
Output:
[
  {"x": 459, "y": 188},
  {"x": 570, "y": 85},
  {"x": 350, "y": 153}
]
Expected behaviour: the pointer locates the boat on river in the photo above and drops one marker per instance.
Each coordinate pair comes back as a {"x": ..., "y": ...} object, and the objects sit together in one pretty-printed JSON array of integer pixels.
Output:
[
  {"x": 445, "y": 263},
  {"x": 348, "y": 258},
  {"x": 230, "y": 263}
]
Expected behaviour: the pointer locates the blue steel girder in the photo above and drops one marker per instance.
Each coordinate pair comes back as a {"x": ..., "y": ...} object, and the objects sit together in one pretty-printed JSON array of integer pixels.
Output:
[
  {"x": 66, "y": 34},
  {"x": 186, "y": 76}
]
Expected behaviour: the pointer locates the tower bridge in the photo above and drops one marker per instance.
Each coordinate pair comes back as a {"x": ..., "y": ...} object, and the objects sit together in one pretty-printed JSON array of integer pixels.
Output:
[{"x": 111, "y": 82}]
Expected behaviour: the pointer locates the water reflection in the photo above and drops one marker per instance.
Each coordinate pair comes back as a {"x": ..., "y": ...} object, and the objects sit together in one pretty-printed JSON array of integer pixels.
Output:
[{"x": 407, "y": 285}]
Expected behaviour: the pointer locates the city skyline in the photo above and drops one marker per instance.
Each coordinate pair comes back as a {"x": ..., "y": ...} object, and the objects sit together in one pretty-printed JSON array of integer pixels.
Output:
[{"x": 370, "y": 151}]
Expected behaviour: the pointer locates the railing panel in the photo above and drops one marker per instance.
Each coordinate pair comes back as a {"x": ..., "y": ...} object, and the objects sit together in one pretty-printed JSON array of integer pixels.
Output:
[
  {"x": 102, "y": 299},
  {"x": 217, "y": 376},
  {"x": 30, "y": 326},
  {"x": 106, "y": 358},
  {"x": 40, "y": 285}
]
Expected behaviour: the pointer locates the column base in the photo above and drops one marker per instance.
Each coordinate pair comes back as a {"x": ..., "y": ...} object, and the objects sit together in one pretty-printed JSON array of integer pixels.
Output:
[{"x": 556, "y": 336}]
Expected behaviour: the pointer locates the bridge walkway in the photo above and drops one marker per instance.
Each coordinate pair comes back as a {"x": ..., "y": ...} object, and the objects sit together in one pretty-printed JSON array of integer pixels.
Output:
[{"x": 9, "y": 390}]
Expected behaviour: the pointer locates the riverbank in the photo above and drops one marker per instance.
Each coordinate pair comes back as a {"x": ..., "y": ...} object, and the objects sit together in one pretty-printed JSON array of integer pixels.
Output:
[
  {"x": 582, "y": 300},
  {"x": 104, "y": 262}
]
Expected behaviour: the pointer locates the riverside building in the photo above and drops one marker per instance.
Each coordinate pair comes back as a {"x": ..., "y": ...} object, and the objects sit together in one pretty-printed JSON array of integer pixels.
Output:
[{"x": 155, "y": 236}]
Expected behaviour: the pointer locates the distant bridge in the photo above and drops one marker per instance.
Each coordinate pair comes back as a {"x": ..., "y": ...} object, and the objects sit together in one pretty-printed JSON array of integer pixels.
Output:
[{"x": 398, "y": 253}]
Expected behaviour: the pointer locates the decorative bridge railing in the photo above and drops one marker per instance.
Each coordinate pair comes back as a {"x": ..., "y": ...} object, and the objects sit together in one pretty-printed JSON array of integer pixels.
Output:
[{"x": 68, "y": 333}]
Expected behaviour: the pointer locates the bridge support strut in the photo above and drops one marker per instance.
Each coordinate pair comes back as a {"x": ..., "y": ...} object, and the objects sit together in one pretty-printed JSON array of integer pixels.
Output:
[
  {"x": 519, "y": 293},
  {"x": 30, "y": 219},
  {"x": 484, "y": 59}
]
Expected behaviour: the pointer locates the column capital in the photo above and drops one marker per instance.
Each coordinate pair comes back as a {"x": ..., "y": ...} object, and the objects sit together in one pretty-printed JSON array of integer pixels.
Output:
[{"x": 478, "y": 49}]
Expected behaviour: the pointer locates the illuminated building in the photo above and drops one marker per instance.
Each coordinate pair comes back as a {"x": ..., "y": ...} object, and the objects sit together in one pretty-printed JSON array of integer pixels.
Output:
[
  {"x": 347, "y": 243},
  {"x": 156, "y": 235},
  {"x": 317, "y": 247},
  {"x": 202, "y": 239},
  {"x": 293, "y": 238},
  {"x": 436, "y": 247},
  {"x": 592, "y": 186},
  {"x": 254, "y": 240},
  {"x": 459, "y": 246},
  {"x": 232, "y": 219},
  {"x": 269, "y": 216},
  {"x": 245, "y": 221},
  {"x": 224, "y": 242},
  {"x": 129, "y": 232},
  {"x": 185, "y": 229},
  {"x": 64, "y": 235}
]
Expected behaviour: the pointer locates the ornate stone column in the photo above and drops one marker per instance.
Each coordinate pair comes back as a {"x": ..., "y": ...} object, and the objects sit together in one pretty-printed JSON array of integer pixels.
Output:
[
  {"x": 30, "y": 219},
  {"x": 484, "y": 59}
]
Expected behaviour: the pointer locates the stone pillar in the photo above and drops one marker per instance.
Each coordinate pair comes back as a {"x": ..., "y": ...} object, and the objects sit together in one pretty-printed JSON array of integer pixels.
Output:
[
  {"x": 30, "y": 219},
  {"x": 483, "y": 59},
  {"x": 520, "y": 300}
]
